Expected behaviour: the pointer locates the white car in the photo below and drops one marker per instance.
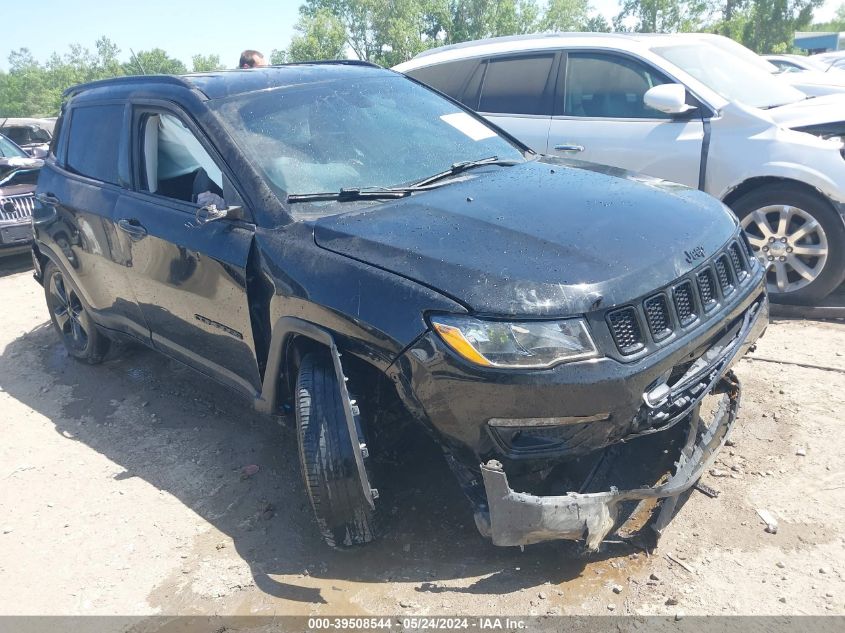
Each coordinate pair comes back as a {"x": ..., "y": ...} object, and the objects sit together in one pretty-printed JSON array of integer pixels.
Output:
[
  {"x": 808, "y": 74},
  {"x": 835, "y": 59},
  {"x": 678, "y": 107}
]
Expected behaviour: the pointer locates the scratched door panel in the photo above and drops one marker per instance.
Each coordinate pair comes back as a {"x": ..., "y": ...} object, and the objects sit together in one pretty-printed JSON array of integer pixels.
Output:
[{"x": 190, "y": 283}]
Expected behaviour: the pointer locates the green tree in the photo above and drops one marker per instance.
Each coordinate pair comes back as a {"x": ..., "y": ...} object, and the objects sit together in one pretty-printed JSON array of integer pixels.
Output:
[
  {"x": 597, "y": 24},
  {"x": 154, "y": 62},
  {"x": 463, "y": 20},
  {"x": 567, "y": 15},
  {"x": 771, "y": 24},
  {"x": 278, "y": 57},
  {"x": 663, "y": 16},
  {"x": 206, "y": 63},
  {"x": 319, "y": 36},
  {"x": 30, "y": 88}
]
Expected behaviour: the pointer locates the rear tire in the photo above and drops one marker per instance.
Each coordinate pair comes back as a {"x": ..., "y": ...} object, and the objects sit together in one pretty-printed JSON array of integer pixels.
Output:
[
  {"x": 800, "y": 236},
  {"x": 344, "y": 516},
  {"x": 70, "y": 316}
]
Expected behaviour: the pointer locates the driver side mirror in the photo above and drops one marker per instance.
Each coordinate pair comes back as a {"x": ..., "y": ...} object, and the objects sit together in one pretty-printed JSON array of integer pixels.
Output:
[
  {"x": 668, "y": 98},
  {"x": 210, "y": 213}
]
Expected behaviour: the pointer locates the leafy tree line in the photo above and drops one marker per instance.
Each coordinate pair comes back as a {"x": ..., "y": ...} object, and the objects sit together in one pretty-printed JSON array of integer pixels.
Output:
[
  {"x": 31, "y": 88},
  {"x": 391, "y": 31}
]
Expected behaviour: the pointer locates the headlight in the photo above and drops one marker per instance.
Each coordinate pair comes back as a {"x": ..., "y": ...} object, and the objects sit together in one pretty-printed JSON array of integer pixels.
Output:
[{"x": 535, "y": 344}]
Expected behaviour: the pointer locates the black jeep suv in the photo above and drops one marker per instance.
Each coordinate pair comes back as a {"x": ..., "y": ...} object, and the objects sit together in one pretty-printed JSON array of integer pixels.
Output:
[{"x": 337, "y": 240}]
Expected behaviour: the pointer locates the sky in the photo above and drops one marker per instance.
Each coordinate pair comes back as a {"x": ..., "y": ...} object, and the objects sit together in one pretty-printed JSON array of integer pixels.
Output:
[{"x": 183, "y": 28}]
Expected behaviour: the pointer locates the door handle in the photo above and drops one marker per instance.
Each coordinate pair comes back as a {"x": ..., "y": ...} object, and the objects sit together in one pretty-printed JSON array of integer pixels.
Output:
[
  {"x": 569, "y": 147},
  {"x": 133, "y": 228},
  {"x": 48, "y": 198}
]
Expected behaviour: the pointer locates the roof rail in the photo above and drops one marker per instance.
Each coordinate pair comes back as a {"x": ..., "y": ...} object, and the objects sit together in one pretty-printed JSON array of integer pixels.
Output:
[
  {"x": 512, "y": 38},
  {"x": 348, "y": 62},
  {"x": 128, "y": 79},
  {"x": 316, "y": 62}
]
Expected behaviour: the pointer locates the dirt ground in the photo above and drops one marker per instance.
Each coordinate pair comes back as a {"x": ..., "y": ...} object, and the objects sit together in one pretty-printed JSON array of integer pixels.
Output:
[{"x": 121, "y": 492}]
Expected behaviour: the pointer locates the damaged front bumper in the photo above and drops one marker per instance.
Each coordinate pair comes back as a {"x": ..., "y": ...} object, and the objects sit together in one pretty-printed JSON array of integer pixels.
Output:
[{"x": 518, "y": 518}]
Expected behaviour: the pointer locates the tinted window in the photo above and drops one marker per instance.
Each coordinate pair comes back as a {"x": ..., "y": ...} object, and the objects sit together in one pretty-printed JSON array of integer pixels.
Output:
[
  {"x": 94, "y": 141},
  {"x": 19, "y": 135},
  {"x": 611, "y": 86},
  {"x": 448, "y": 78},
  {"x": 7, "y": 149},
  {"x": 517, "y": 85}
]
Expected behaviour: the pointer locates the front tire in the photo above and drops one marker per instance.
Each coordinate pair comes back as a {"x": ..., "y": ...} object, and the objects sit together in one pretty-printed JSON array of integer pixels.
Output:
[
  {"x": 80, "y": 336},
  {"x": 344, "y": 516},
  {"x": 800, "y": 236}
]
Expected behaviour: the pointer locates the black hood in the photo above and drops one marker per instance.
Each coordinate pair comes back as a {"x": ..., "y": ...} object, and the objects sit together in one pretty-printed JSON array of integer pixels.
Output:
[{"x": 537, "y": 238}]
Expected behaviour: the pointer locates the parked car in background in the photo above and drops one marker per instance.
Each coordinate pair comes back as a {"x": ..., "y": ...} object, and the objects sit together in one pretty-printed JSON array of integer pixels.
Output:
[
  {"x": 687, "y": 108},
  {"x": 834, "y": 59},
  {"x": 31, "y": 135},
  {"x": 380, "y": 256},
  {"x": 18, "y": 177},
  {"x": 797, "y": 63},
  {"x": 810, "y": 76}
]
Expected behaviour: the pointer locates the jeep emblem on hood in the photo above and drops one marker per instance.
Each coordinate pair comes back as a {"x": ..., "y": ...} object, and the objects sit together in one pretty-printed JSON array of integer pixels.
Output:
[{"x": 695, "y": 253}]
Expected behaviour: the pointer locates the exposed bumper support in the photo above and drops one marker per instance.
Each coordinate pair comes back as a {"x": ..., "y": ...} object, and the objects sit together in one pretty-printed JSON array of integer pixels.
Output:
[{"x": 517, "y": 518}]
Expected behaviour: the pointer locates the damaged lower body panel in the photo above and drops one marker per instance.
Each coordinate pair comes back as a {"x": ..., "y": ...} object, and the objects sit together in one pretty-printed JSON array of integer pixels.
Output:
[{"x": 517, "y": 518}]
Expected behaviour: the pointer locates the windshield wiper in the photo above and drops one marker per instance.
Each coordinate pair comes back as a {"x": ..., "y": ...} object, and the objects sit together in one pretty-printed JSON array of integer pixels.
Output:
[
  {"x": 457, "y": 168},
  {"x": 348, "y": 194},
  {"x": 386, "y": 193}
]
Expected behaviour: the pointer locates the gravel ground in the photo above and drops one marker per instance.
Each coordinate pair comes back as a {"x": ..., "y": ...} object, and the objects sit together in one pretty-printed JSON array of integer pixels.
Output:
[{"x": 121, "y": 492}]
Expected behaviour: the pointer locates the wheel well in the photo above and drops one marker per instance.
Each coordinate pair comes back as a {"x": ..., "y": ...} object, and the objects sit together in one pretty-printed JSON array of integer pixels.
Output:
[
  {"x": 755, "y": 183},
  {"x": 377, "y": 394}
]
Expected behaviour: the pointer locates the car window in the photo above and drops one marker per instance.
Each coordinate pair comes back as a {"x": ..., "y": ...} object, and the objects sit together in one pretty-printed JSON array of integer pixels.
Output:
[
  {"x": 39, "y": 135},
  {"x": 94, "y": 141},
  {"x": 19, "y": 135},
  {"x": 173, "y": 162},
  {"x": 785, "y": 66},
  {"x": 372, "y": 132},
  {"x": 449, "y": 78},
  {"x": 732, "y": 71},
  {"x": 517, "y": 85},
  {"x": 9, "y": 149},
  {"x": 609, "y": 86}
]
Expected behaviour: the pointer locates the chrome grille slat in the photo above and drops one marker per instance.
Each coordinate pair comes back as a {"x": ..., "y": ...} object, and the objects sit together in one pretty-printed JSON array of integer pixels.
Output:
[{"x": 16, "y": 207}]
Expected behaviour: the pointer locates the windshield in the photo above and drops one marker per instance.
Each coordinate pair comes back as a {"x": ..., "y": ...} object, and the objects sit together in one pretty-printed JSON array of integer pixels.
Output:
[
  {"x": 367, "y": 132},
  {"x": 808, "y": 62},
  {"x": 734, "y": 77},
  {"x": 9, "y": 149}
]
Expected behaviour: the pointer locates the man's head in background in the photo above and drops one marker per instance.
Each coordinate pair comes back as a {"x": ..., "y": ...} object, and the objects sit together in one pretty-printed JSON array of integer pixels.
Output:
[{"x": 251, "y": 59}]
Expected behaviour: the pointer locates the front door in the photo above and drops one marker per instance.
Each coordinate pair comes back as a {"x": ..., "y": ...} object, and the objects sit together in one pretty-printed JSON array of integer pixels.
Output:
[
  {"x": 190, "y": 280},
  {"x": 600, "y": 117}
]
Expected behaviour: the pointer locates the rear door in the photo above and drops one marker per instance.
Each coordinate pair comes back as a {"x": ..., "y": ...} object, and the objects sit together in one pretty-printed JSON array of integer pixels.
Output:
[
  {"x": 600, "y": 117},
  {"x": 516, "y": 92},
  {"x": 190, "y": 281},
  {"x": 81, "y": 186}
]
